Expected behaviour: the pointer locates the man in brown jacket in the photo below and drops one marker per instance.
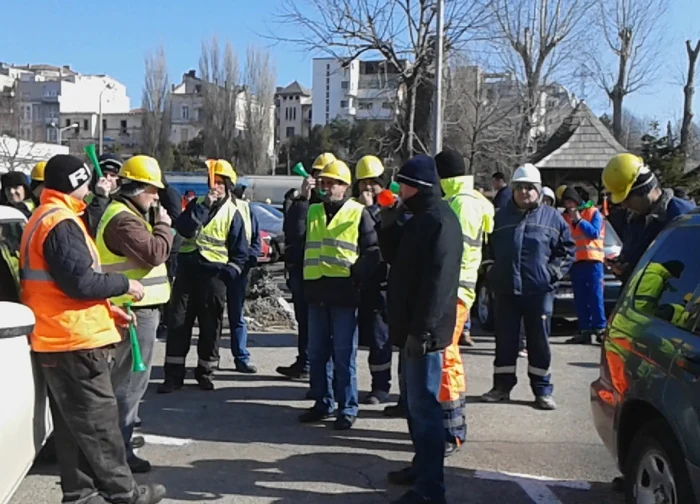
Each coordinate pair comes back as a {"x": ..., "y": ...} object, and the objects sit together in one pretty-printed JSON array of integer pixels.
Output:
[{"x": 134, "y": 237}]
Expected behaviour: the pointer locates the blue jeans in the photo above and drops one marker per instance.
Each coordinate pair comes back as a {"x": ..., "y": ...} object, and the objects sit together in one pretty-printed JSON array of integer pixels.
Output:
[
  {"x": 373, "y": 330},
  {"x": 235, "y": 297},
  {"x": 587, "y": 280},
  {"x": 332, "y": 356},
  {"x": 421, "y": 385}
]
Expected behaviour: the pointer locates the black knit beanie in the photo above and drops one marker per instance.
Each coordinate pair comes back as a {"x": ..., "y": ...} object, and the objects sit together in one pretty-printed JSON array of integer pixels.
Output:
[
  {"x": 65, "y": 173},
  {"x": 571, "y": 194},
  {"x": 13, "y": 179},
  {"x": 450, "y": 164}
]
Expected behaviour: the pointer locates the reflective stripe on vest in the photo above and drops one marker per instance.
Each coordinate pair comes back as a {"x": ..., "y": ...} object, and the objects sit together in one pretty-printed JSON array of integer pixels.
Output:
[
  {"x": 470, "y": 212},
  {"x": 244, "y": 208},
  {"x": 587, "y": 249},
  {"x": 154, "y": 280},
  {"x": 210, "y": 240},
  {"x": 332, "y": 249}
]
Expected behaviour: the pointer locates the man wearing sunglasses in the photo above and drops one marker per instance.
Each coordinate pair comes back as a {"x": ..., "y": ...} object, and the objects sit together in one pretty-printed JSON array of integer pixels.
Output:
[{"x": 532, "y": 250}]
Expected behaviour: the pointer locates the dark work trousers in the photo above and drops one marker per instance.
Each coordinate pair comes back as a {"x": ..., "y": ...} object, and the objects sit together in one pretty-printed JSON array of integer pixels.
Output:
[
  {"x": 301, "y": 313},
  {"x": 535, "y": 310},
  {"x": 89, "y": 444},
  {"x": 171, "y": 265},
  {"x": 587, "y": 279},
  {"x": 373, "y": 332},
  {"x": 198, "y": 293}
]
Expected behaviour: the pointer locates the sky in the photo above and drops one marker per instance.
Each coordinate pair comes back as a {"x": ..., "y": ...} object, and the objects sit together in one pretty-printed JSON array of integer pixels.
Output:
[{"x": 112, "y": 37}]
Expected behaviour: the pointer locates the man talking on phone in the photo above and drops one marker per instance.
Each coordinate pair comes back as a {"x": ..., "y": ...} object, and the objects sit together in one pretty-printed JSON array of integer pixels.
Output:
[{"x": 134, "y": 238}]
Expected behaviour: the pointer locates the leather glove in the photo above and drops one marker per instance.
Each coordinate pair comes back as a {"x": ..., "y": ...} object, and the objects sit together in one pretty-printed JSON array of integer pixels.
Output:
[{"x": 415, "y": 347}]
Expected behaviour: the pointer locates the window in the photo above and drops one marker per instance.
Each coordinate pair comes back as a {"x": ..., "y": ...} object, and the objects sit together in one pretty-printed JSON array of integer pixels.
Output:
[
  {"x": 666, "y": 285},
  {"x": 344, "y": 85},
  {"x": 51, "y": 135},
  {"x": 104, "y": 124},
  {"x": 344, "y": 104},
  {"x": 85, "y": 124},
  {"x": 294, "y": 113},
  {"x": 290, "y": 131},
  {"x": 387, "y": 105},
  {"x": 27, "y": 115},
  {"x": 68, "y": 123},
  {"x": 365, "y": 105},
  {"x": 197, "y": 114},
  {"x": 11, "y": 234},
  {"x": 122, "y": 126},
  {"x": 185, "y": 112}
]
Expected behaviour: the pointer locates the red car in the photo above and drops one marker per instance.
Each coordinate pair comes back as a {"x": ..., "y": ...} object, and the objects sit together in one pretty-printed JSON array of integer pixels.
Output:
[{"x": 266, "y": 250}]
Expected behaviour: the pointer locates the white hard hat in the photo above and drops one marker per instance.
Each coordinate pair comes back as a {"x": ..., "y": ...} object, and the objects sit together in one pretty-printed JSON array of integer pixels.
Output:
[
  {"x": 547, "y": 191},
  {"x": 527, "y": 173}
]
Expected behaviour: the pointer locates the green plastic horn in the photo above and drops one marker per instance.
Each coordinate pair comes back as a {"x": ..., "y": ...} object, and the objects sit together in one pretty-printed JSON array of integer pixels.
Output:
[
  {"x": 92, "y": 156},
  {"x": 138, "y": 364},
  {"x": 394, "y": 187},
  {"x": 299, "y": 170}
]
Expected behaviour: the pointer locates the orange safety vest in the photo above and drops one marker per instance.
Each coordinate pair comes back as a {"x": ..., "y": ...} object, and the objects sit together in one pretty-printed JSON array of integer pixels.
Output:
[
  {"x": 587, "y": 249},
  {"x": 62, "y": 322}
]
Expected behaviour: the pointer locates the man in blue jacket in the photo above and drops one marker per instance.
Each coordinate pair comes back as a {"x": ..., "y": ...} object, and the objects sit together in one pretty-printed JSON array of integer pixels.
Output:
[{"x": 532, "y": 250}]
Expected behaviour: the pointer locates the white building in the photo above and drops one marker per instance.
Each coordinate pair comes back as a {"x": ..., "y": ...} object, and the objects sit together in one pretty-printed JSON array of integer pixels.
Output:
[
  {"x": 292, "y": 112},
  {"x": 358, "y": 90}
]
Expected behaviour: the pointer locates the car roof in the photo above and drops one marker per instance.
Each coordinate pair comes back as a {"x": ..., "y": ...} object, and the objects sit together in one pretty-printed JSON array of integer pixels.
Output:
[{"x": 10, "y": 214}]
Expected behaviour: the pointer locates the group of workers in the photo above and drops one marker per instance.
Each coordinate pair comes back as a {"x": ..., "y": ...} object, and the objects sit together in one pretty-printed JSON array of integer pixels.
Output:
[{"x": 396, "y": 274}]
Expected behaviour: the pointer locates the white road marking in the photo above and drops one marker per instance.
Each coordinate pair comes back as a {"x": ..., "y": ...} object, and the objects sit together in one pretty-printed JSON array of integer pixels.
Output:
[
  {"x": 165, "y": 440},
  {"x": 536, "y": 487}
]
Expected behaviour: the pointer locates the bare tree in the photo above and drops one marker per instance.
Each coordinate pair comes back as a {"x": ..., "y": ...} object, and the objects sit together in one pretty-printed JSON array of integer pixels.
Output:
[
  {"x": 259, "y": 92},
  {"x": 400, "y": 31},
  {"x": 16, "y": 137},
  {"x": 541, "y": 38},
  {"x": 689, "y": 92},
  {"x": 221, "y": 93},
  {"x": 632, "y": 31},
  {"x": 155, "y": 105}
]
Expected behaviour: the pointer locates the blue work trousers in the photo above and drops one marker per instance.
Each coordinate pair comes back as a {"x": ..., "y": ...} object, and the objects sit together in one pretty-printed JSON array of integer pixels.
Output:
[
  {"x": 420, "y": 385},
  {"x": 301, "y": 313},
  {"x": 373, "y": 330},
  {"x": 587, "y": 281},
  {"x": 235, "y": 297},
  {"x": 535, "y": 310},
  {"x": 332, "y": 357}
]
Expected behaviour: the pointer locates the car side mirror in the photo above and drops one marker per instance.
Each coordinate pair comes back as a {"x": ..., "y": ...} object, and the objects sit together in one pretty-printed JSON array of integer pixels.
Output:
[{"x": 16, "y": 320}]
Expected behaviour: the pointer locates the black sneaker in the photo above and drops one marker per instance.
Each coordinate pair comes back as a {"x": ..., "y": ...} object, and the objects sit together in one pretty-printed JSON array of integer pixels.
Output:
[
  {"x": 599, "y": 334},
  {"x": 137, "y": 442},
  {"x": 395, "y": 411},
  {"x": 246, "y": 367},
  {"x": 293, "y": 372},
  {"x": 466, "y": 339},
  {"x": 496, "y": 395},
  {"x": 149, "y": 494},
  {"x": 138, "y": 465},
  {"x": 414, "y": 497},
  {"x": 205, "y": 382},
  {"x": 376, "y": 397},
  {"x": 169, "y": 385},
  {"x": 402, "y": 477},
  {"x": 344, "y": 422},
  {"x": 580, "y": 339},
  {"x": 545, "y": 402},
  {"x": 313, "y": 415}
]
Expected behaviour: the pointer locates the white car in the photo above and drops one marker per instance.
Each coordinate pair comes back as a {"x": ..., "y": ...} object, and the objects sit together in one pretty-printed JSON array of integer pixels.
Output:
[{"x": 25, "y": 420}]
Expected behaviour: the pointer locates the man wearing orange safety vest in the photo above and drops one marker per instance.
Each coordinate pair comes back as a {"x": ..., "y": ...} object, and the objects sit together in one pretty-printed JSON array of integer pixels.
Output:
[
  {"x": 73, "y": 339},
  {"x": 588, "y": 231}
]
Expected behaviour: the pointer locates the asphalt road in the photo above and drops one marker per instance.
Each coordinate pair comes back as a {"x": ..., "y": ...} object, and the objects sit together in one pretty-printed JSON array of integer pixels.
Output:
[{"x": 242, "y": 443}]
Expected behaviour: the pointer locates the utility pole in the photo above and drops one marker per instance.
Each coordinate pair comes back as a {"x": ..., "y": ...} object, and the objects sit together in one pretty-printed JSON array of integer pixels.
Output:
[{"x": 439, "y": 50}]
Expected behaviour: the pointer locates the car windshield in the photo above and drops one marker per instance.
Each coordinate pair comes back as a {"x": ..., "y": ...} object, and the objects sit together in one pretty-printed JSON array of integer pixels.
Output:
[
  {"x": 611, "y": 237},
  {"x": 11, "y": 234},
  {"x": 269, "y": 218}
]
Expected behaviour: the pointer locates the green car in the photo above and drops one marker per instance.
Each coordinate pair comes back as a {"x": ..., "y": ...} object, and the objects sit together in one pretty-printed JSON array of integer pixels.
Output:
[{"x": 646, "y": 402}]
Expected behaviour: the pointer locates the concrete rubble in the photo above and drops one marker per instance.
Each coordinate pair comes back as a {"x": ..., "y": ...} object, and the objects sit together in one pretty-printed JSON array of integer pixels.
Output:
[{"x": 265, "y": 307}]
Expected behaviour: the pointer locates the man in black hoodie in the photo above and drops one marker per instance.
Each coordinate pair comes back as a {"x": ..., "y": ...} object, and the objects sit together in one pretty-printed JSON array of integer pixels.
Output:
[{"x": 425, "y": 261}]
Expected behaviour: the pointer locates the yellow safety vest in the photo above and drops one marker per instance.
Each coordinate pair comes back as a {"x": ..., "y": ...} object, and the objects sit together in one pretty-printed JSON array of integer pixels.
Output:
[
  {"x": 489, "y": 213},
  {"x": 12, "y": 261},
  {"x": 154, "y": 280},
  {"x": 31, "y": 206},
  {"x": 210, "y": 240},
  {"x": 332, "y": 249},
  {"x": 244, "y": 208},
  {"x": 650, "y": 288},
  {"x": 470, "y": 211}
]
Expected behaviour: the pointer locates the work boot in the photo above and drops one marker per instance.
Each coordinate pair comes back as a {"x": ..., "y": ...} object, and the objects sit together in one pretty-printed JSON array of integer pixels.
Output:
[
  {"x": 402, "y": 477},
  {"x": 138, "y": 465},
  {"x": 599, "y": 334},
  {"x": 137, "y": 442},
  {"x": 162, "y": 332},
  {"x": 205, "y": 382},
  {"x": 149, "y": 494},
  {"x": 414, "y": 497},
  {"x": 395, "y": 411},
  {"x": 169, "y": 385},
  {"x": 376, "y": 397},
  {"x": 344, "y": 422},
  {"x": 246, "y": 367},
  {"x": 580, "y": 339},
  {"x": 293, "y": 372},
  {"x": 466, "y": 339},
  {"x": 496, "y": 395},
  {"x": 313, "y": 415},
  {"x": 545, "y": 402}
]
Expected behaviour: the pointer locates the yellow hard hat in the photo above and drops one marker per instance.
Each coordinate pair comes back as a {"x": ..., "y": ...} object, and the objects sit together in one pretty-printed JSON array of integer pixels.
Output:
[
  {"x": 38, "y": 171},
  {"x": 222, "y": 168},
  {"x": 337, "y": 170},
  {"x": 560, "y": 191},
  {"x": 321, "y": 161},
  {"x": 143, "y": 169},
  {"x": 368, "y": 167},
  {"x": 620, "y": 174}
]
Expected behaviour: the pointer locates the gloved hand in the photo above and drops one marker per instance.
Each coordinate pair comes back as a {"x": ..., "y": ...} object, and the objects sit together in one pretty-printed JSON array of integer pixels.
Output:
[
  {"x": 389, "y": 215},
  {"x": 415, "y": 347}
]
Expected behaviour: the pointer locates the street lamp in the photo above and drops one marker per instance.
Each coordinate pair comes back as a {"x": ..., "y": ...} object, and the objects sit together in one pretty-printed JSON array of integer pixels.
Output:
[
  {"x": 61, "y": 130},
  {"x": 108, "y": 85},
  {"x": 439, "y": 50}
]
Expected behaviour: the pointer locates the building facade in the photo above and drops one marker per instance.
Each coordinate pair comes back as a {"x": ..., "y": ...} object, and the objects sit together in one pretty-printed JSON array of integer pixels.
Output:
[
  {"x": 293, "y": 111},
  {"x": 122, "y": 131}
]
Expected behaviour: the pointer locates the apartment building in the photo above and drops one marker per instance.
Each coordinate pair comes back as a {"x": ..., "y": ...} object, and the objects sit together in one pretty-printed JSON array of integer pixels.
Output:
[
  {"x": 122, "y": 131},
  {"x": 292, "y": 112},
  {"x": 355, "y": 90}
]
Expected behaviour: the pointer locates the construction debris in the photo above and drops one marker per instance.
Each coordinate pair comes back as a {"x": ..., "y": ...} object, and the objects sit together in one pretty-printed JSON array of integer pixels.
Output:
[{"x": 265, "y": 308}]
